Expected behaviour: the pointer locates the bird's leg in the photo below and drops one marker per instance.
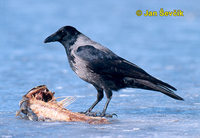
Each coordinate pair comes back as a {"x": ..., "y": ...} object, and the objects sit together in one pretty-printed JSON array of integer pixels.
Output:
[
  {"x": 109, "y": 97},
  {"x": 99, "y": 98}
]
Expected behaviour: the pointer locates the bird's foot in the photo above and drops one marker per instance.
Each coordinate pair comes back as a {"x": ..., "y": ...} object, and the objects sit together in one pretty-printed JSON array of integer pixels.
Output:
[
  {"x": 94, "y": 114},
  {"x": 82, "y": 112},
  {"x": 108, "y": 115},
  {"x": 99, "y": 114}
]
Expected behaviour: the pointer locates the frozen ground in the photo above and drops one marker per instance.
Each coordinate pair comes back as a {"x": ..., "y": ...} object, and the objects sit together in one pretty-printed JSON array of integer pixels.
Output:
[{"x": 166, "y": 47}]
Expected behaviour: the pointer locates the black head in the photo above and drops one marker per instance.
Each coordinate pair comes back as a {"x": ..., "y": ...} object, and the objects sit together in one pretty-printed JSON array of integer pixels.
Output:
[{"x": 65, "y": 35}]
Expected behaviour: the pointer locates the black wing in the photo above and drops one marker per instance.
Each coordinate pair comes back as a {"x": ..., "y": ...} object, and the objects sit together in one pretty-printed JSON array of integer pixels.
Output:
[{"x": 105, "y": 62}]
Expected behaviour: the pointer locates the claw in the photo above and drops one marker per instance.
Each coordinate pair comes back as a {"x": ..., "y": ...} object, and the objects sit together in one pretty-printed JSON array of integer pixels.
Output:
[
  {"x": 98, "y": 114},
  {"x": 82, "y": 112},
  {"x": 109, "y": 115},
  {"x": 94, "y": 114}
]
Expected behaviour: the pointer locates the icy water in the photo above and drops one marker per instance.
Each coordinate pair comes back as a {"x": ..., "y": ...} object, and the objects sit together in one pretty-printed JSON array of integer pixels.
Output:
[{"x": 166, "y": 47}]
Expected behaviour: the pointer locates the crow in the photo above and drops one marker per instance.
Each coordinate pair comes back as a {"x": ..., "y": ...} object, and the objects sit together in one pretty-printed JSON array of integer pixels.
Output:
[{"x": 102, "y": 68}]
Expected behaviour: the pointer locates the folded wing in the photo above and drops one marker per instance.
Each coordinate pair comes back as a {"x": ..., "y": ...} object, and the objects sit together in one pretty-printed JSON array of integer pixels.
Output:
[{"x": 105, "y": 62}]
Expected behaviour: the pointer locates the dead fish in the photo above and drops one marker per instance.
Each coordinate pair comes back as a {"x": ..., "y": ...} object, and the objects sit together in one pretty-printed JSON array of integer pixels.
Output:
[{"x": 39, "y": 104}]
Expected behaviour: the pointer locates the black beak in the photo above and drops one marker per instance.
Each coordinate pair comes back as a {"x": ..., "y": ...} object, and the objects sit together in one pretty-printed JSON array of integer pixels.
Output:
[{"x": 52, "y": 38}]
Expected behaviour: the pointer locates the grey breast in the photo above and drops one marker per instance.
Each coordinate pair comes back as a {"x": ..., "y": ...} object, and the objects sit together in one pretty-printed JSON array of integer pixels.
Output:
[{"x": 79, "y": 65}]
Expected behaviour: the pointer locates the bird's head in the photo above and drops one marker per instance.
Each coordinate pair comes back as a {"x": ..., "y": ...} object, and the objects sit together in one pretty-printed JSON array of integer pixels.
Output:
[{"x": 66, "y": 35}]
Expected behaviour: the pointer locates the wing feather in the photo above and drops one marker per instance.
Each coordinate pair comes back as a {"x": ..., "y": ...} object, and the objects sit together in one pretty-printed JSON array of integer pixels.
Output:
[{"x": 105, "y": 62}]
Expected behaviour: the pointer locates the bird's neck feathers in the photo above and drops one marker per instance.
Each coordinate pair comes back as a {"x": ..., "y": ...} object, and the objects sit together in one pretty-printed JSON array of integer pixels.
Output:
[
  {"x": 83, "y": 40},
  {"x": 78, "y": 40},
  {"x": 69, "y": 40}
]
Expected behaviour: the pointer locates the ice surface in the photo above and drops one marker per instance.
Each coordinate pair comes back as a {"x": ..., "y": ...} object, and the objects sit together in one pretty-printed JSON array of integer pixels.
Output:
[{"x": 166, "y": 47}]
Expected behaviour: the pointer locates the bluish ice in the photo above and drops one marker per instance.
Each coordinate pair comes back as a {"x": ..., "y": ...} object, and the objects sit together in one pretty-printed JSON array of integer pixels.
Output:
[{"x": 166, "y": 47}]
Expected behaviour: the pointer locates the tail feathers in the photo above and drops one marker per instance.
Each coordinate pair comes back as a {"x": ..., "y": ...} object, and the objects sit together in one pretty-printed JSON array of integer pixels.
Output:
[
  {"x": 144, "y": 84},
  {"x": 163, "y": 84},
  {"x": 170, "y": 93}
]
